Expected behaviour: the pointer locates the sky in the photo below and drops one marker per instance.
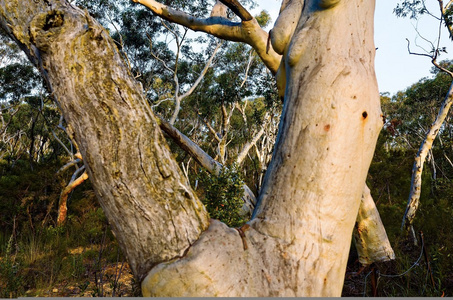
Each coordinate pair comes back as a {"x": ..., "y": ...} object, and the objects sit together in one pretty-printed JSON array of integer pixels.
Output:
[{"x": 396, "y": 69}]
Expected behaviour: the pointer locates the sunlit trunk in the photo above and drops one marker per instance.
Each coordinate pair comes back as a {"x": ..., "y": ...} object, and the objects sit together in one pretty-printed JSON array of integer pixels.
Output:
[{"x": 298, "y": 242}]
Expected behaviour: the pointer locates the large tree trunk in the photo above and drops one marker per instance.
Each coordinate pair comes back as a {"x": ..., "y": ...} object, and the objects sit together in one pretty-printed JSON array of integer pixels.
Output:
[
  {"x": 152, "y": 210},
  {"x": 327, "y": 137},
  {"x": 249, "y": 32},
  {"x": 298, "y": 242}
]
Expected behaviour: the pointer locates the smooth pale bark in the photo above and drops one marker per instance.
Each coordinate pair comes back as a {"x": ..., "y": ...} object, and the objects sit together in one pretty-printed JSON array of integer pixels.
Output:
[
  {"x": 298, "y": 242},
  {"x": 154, "y": 213},
  {"x": 246, "y": 149},
  {"x": 371, "y": 240},
  {"x": 417, "y": 170},
  {"x": 331, "y": 119}
]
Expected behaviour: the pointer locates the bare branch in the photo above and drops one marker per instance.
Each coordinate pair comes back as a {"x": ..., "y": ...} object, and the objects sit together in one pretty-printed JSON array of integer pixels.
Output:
[
  {"x": 415, "y": 53},
  {"x": 61, "y": 143},
  {"x": 203, "y": 73},
  {"x": 442, "y": 68},
  {"x": 245, "y": 150},
  {"x": 190, "y": 147},
  {"x": 206, "y": 161},
  {"x": 211, "y": 129},
  {"x": 69, "y": 164},
  {"x": 62, "y": 206},
  {"x": 446, "y": 7},
  {"x": 178, "y": 99},
  {"x": 247, "y": 68}
]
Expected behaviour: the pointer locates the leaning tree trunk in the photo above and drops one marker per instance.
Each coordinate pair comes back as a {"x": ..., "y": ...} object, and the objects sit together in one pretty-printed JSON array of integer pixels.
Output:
[
  {"x": 152, "y": 210},
  {"x": 417, "y": 170},
  {"x": 298, "y": 242}
]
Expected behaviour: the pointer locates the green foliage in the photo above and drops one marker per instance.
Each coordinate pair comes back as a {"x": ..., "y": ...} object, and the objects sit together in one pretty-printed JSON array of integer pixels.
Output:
[
  {"x": 263, "y": 18},
  {"x": 17, "y": 80},
  {"x": 410, "y": 8},
  {"x": 11, "y": 281},
  {"x": 223, "y": 195}
]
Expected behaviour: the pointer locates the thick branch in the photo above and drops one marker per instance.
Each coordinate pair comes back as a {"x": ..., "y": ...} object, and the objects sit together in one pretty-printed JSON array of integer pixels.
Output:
[
  {"x": 210, "y": 164},
  {"x": 248, "y": 31},
  {"x": 238, "y": 9}
]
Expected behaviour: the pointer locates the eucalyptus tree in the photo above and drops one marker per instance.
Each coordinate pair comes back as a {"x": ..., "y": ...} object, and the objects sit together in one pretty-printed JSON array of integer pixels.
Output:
[
  {"x": 414, "y": 9},
  {"x": 297, "y": 242}
]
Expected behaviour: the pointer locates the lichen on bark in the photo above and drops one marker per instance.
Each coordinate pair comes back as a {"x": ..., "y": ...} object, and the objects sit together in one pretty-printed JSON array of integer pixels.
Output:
[{"x": 126, "y": 156}]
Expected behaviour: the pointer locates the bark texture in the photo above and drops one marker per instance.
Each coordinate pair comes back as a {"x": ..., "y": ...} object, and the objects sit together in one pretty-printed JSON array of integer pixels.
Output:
[
  {"x": 247, "y": 31},
  {"x": 154, "y": 213},
  {"x": 327, "y": 136}
]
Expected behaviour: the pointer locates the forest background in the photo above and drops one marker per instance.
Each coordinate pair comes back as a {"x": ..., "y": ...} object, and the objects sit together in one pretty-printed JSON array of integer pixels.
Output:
[{"x": 54, "y": 237}]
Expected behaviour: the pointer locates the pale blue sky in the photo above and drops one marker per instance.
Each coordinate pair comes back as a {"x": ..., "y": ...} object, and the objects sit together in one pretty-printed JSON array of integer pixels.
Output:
[{"x": 396, "y": 69}]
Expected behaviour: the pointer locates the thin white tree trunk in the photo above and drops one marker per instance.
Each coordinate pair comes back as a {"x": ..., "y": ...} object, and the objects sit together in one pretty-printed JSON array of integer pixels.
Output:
[{"x": 417, "y": 170}]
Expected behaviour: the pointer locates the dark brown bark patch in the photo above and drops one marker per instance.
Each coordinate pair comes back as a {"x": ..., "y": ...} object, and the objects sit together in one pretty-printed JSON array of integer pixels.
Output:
[{"x": 54, "y": 19}]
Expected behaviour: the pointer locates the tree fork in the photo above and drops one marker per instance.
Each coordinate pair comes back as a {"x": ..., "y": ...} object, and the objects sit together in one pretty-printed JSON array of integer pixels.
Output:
[{"x": 298, "y": 243}]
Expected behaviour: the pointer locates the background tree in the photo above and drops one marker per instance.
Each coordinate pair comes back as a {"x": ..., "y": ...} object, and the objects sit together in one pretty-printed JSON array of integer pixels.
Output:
[{"x": 415, "y": 9}]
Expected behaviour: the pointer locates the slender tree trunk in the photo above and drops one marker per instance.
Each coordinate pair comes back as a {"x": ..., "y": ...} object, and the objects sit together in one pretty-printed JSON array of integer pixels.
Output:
[
  {"x": 417, "y": 170},
  {"x": 63, "y": 202}
]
